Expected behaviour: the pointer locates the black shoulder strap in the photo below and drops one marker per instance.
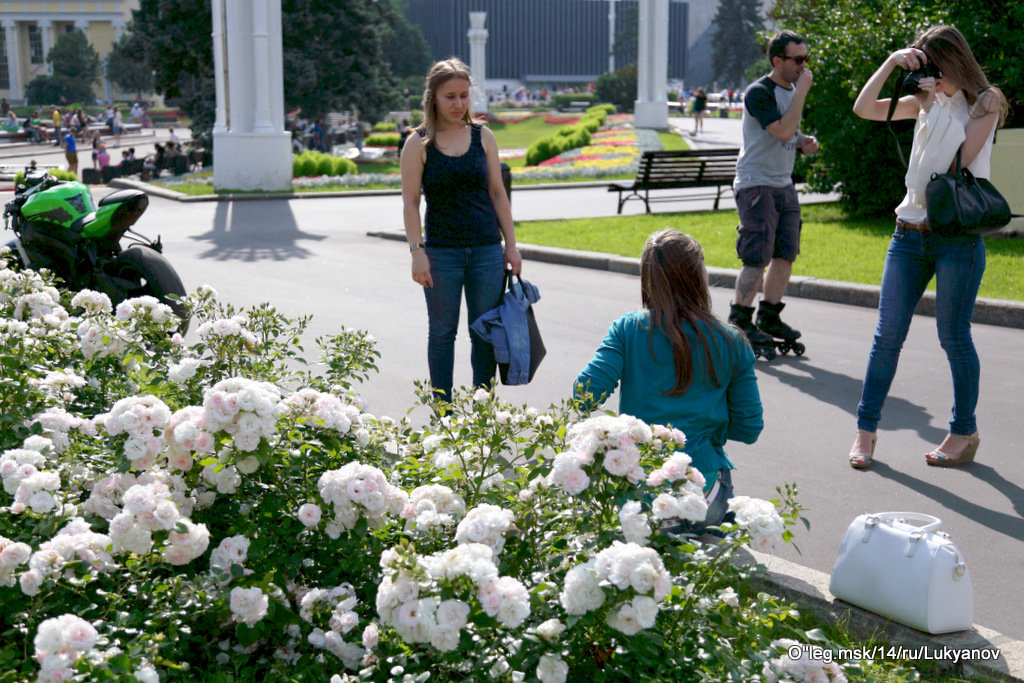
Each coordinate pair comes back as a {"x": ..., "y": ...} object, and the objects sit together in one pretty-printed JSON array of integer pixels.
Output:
[{"x": 893, "y": 101}]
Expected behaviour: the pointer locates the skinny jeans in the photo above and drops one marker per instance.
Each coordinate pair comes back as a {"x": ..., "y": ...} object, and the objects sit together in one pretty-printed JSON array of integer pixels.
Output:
[
  {"x": 479, "y": 272},
  {"x": 914, "y": 257}
]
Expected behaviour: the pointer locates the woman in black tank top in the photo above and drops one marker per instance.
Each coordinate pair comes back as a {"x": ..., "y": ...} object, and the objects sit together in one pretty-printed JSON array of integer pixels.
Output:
[{"x": 453, "y": 162}]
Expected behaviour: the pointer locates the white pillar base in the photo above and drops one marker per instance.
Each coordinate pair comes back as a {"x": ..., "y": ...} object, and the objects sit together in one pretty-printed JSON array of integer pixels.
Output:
[
  {"x": 251, "y": 161},
  {"x": 650, "y": 115}
]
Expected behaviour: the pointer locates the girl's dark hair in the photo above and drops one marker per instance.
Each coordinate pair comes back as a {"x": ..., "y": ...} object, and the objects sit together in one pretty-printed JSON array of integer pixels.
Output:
[
  {"x": 674, "y": 289},
  {"x": 948, "y": 50}
]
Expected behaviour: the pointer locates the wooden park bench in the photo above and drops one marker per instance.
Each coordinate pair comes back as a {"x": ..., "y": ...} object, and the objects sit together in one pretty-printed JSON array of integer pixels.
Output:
[{"x": 679, "y": 169}]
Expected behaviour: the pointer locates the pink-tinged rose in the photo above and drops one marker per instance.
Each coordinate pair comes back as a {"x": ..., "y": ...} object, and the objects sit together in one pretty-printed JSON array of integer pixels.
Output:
[{"x": 309, "y": 515}]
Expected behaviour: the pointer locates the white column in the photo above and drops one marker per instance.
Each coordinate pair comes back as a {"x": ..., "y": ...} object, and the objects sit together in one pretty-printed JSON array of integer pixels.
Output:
[
  {"x": 651, "y": 109},
  {"x": 220, "y": 67},
  {"x": 477, "y": 35},
  {"x": 13, "y": 66},
  {"x": 46, "y": 29},
  {"x": 82, "y": 25},
  {"x": 261, "y": 67},
  {"x": 251, "y": 149},
  {"x": 611, "y": 36},
  {"x": 119, "y": 27}
]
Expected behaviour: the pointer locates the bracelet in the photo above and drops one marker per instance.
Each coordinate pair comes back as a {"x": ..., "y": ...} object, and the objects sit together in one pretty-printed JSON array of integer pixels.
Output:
[{"x": 415, "y": 245}]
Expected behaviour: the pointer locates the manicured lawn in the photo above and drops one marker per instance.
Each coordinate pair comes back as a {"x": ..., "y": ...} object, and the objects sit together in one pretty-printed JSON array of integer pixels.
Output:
[
  {"x": 833, "y": 245},
  {"x": 522, "y": 133}
]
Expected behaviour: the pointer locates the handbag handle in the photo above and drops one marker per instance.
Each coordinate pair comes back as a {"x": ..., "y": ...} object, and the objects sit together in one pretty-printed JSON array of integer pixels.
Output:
[{"x": 932, "y": 522}]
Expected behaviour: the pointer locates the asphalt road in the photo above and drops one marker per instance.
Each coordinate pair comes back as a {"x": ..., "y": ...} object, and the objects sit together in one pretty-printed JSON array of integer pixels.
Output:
[{"x": 314, "y": 257}]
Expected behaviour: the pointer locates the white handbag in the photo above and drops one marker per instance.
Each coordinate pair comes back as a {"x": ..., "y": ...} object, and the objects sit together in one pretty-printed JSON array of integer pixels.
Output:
[{"x": 909, "y": 573}]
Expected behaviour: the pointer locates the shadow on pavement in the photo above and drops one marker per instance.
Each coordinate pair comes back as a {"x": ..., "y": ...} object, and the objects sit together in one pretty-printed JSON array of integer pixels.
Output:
[
  {"x": 1009, "y": 525},
  {"x": 843, "y": 392},
  {"x": 255, "y": 231}
]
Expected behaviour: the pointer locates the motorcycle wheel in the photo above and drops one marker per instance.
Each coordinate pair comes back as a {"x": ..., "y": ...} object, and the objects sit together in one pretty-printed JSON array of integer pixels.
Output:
[{"x": 155, "y": 276}]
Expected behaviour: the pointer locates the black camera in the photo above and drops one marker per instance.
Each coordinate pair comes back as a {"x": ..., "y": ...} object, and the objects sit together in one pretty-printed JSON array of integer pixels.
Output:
[{"x": 912, "y": 81}]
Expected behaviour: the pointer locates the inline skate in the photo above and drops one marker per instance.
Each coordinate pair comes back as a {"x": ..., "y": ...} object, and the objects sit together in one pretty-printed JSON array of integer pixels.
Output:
[
  {"x": 783, "y": 337},
  {"x": 762, "y": 344}
]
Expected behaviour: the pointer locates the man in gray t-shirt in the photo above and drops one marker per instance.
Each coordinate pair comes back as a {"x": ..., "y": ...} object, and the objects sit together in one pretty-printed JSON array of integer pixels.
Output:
[{"x": 769, "y": 230}]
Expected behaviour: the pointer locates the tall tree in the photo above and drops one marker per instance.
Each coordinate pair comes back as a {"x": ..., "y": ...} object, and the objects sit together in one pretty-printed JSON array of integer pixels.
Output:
[
  {"x": 407, "y": 52},
  {"x": 176, "y": 39},
  {"x": 127, "y": 66},
  {"x": 736, "y": 44},
  {"x": 333, "y": 54},
  {"x": 76, "y": 69}
]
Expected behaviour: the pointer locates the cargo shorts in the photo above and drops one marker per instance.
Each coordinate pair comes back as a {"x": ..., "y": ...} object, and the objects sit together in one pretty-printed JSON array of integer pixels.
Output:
[{"x": 769, "y": 224}]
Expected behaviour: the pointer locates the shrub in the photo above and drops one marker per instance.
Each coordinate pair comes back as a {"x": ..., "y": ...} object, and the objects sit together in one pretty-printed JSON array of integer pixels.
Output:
[
  {"x": 343, "y": 166},
  {"x": 307, "y": 165},
  {"x": 564, "y": 99},
  {"x": 311, "y": 163},
  {"x": 382, "y": 140},
  {"x": 324, "y": 164},
  {"x": 562, "y": 139},
  {"x": 169, "y": 495},
  {"x": 384, "y": 127},
  {"x": 618, "y": 88},
  {"x": 58, "y": 173}
]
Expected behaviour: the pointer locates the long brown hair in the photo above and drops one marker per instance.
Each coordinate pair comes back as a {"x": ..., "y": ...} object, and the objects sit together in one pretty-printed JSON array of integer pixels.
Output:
[
  {"x": 439, "y": 74},
  {"x": 674, "y": 289},
  {"x": 947, "y": 48}
]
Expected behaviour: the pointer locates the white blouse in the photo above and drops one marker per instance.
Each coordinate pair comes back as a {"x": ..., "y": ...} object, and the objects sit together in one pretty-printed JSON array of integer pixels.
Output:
[{"x": 937, "y": 136}]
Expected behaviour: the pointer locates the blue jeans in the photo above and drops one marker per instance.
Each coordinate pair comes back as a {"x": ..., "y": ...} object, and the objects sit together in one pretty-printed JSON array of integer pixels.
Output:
[
  {"x": 913, "y": 258},
  {"x": 480, "y": 271}
]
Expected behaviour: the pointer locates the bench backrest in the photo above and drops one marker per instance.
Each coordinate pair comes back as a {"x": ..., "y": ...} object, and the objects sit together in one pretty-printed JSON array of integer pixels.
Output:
[{"x": 689, "y": 167}]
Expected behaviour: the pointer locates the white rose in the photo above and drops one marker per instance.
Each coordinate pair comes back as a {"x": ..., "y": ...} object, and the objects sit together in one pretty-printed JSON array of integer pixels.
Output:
[
  {"x": 552, "y": 669},
  {"x": 550, "y": 630},
  {"x": 249, "y": 605},
  {"x": 30, "y": 582},
  {"x": 309, "y": 515}
]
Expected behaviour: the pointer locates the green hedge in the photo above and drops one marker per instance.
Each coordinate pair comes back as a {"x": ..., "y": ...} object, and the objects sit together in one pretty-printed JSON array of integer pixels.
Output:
[
  {"x": 384, "y": 127},
  {"x": 569, "y": 137},
  {"x": 564, "y": 99},
  {"x": 57, "y": 173},
  {"x": 382, "y": 140},
  {"x": 311, "y": 163}
]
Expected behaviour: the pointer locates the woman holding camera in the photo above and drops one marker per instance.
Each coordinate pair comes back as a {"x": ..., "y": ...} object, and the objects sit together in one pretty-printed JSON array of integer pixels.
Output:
[{"x": 956, "y": 108}]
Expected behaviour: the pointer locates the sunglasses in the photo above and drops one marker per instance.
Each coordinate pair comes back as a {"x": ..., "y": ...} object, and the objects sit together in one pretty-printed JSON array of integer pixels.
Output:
[{"x": 798, "y": 60}]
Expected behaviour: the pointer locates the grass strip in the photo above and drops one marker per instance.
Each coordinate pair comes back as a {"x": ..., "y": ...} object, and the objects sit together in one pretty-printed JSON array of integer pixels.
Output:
[{"x": 834, "y": 245}]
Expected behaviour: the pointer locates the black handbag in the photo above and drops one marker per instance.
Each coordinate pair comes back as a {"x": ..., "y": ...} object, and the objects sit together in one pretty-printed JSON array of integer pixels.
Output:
[
  {"x": 960, "y": 204},
  {"x": 537, "y": 350}
]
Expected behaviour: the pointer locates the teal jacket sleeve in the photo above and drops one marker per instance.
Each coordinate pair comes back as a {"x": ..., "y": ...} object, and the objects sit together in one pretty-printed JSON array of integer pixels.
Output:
[
  {"x": 746, "y": 415},
  {"x": 602, "y": 374}
]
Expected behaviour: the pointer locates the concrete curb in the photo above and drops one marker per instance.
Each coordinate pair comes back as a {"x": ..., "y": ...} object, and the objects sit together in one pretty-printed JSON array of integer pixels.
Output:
[
  {"x": 999, "y": 312},
  {"x": 809, "y": 589},
  {"x": 167, "y": 193}
]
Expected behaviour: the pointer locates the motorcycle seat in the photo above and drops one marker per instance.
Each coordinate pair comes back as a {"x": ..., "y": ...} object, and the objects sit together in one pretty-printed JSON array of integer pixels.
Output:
[{"x": 121, "y": 196}]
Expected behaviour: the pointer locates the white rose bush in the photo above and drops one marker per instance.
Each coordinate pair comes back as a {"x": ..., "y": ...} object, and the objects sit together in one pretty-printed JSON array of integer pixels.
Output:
[{"x": 223, "y": 508}]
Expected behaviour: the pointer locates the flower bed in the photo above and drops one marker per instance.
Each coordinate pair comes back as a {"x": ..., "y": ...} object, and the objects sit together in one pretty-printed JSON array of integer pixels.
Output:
[
  {"x": 613, "y": 151},
  {"x": 213, "y": 510},
  {"x": 558, "y": 120},
  {"x": 505, "y": 116}
]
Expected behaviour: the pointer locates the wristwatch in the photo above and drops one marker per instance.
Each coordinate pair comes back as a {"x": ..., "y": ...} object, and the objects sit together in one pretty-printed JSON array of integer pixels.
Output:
[{"x": 415, "y": 245}]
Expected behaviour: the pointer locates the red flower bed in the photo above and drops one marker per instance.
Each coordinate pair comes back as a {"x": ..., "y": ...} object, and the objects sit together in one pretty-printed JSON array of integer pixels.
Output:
[{"x": 558, "y": 120}]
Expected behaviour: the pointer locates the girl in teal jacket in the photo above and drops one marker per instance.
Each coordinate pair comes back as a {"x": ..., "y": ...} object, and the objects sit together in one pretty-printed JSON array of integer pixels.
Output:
[{"x": 676, "y": 364}]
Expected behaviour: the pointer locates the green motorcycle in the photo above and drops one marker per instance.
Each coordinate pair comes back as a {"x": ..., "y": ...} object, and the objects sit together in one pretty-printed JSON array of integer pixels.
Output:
[{"x": 58, "y": 228}]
